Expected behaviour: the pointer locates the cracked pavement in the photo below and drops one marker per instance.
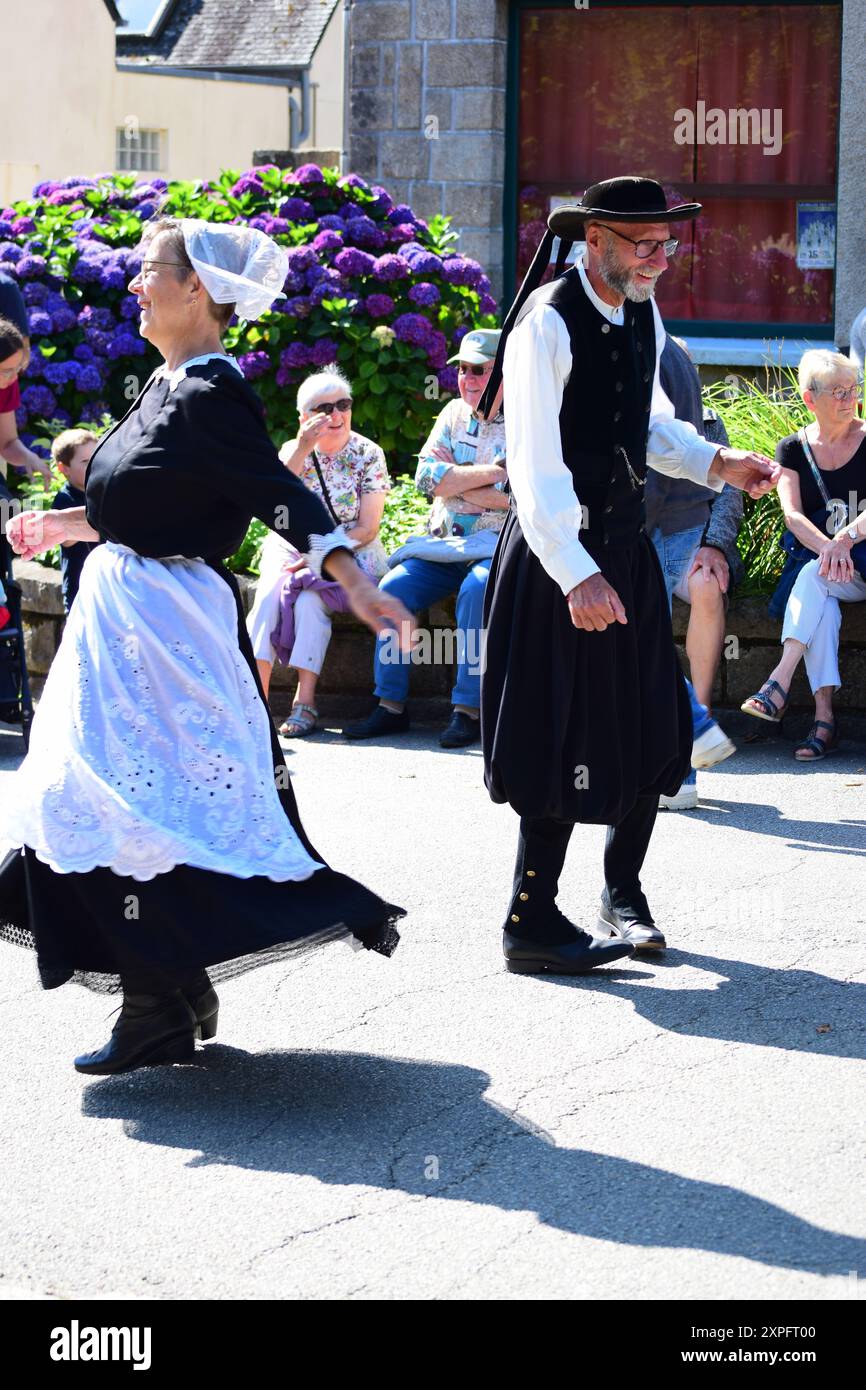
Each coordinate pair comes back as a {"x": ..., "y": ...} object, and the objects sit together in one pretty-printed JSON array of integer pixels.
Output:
[{"x": 431, "y": 1127}]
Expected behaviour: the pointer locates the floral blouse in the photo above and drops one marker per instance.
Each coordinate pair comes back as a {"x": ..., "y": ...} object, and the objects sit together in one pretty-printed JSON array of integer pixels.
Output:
[
  {"x": 471, "y": 441},
  {"x": 357, "y": 469}
]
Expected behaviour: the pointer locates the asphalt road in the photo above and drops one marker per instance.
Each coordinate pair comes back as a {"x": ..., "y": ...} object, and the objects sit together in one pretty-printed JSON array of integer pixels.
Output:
[{"x": 432, "y": 1127}]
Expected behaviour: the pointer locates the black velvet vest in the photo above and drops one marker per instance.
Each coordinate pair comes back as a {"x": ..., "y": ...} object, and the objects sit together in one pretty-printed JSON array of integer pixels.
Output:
[{"x": 604, "y": 418}]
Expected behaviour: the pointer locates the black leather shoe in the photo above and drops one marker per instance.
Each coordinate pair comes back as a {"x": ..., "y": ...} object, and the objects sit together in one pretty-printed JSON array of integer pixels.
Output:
[
  {"x": 203, "y": 999},
  {"x": 638, "y": 928},
  {"x": 152, "y": 1030},
  {"x": 573, "y": 958},
  {"x": 379, "y": 723},
  {"x": 462, "y": 731}
]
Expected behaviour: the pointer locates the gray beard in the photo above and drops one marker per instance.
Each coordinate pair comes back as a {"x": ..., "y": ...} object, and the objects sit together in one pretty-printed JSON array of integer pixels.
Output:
[{"x": 619, "y": 280}]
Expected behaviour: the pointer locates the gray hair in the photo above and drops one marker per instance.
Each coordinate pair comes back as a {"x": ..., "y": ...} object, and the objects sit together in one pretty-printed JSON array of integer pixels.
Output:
[
  {"x": 818, "y": 364},
  {"x": 320, "y": 384}
]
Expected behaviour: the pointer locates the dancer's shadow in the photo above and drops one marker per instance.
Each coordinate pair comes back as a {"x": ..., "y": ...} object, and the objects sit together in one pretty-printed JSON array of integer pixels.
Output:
[
  {"x": 842, "y": 837},
  {"x": 427, "y": 1130},
  {"x": 757, "y": 1004}
]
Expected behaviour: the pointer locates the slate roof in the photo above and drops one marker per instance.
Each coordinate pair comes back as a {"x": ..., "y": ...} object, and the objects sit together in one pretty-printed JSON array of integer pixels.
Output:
[{"x": 231, "y": 34}]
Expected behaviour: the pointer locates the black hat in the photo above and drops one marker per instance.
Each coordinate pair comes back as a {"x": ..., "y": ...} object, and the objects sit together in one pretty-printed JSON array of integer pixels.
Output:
[{"x": 625, "y": 199}]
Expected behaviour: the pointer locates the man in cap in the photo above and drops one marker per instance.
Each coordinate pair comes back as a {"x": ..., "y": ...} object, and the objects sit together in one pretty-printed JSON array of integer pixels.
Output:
[
  {"x": 585, "y": 715},
  {"x": 461, "y": 469}
]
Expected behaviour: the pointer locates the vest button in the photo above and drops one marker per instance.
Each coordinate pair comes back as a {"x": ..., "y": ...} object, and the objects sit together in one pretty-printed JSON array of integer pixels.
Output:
[
  {"x": 614, "y": 356},
  {"x": 619, "y": 384},
  {"x": 646, "y": 376},
  {"x": 608, "y": 509},
  {"x": 617, "y": 415},
  {"x": 639, "y": 347},
  {"x": 605, "y": 328}
]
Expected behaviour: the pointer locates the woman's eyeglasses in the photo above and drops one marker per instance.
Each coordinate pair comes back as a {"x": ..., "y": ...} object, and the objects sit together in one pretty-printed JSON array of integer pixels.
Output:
[
  {"x": 841, "y": 393},
  {"x": 327, "y": 407},
  {"x": 466, "y": 369}
]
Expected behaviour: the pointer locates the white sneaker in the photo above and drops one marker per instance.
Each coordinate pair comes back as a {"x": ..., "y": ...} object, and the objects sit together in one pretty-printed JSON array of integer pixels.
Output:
[
  {"x": 712, "y": 747},
  {"x": 686, "y": 799}
]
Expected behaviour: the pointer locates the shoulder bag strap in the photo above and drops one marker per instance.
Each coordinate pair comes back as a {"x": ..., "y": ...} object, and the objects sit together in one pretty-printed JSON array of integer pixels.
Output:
[
  {"x": 810, "y": 459},
  {"x": 325, "y": 494}
]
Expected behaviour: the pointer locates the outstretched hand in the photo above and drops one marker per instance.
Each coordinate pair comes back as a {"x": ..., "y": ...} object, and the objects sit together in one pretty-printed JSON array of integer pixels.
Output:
[
  {"x": 380, "y": 612},
  {"x": 595, "y": 604},
  {"x": 29, "y": 533},
  {"x": 752, "y": 473}
]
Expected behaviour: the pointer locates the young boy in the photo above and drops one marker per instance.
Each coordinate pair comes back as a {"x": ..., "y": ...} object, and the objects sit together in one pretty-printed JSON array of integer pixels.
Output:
[{"x": 71, "y": 453}]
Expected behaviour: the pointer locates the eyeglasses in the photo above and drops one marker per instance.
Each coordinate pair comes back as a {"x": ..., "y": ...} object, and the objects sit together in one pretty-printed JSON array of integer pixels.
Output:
[
  {"x": 644, "y": 249},
  {"x": 146, "y": 265},
  {"x": 327, "y": 407},
  {"x": 468, "y": 370},
  {"x": 840, "y": 393}
]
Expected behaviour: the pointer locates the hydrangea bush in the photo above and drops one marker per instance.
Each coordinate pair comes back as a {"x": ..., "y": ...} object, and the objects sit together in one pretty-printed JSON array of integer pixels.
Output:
[{"x": 370, "y": 286}]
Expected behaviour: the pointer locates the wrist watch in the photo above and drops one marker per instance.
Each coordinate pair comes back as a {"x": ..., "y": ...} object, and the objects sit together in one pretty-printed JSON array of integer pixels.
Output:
[{"x": 852, "y": 533}]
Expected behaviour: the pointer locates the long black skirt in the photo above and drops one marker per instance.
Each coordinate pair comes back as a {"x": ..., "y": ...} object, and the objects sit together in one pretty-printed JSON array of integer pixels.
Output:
[
  {"x": 96, "y": 925},
  {"x": 577, "y": 725}
]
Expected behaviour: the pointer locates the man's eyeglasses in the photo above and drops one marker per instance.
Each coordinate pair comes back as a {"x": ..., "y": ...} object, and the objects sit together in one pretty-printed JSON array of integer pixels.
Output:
[
  {"x": 328, "y": 407},
  {"x": 468, "y": 370},
  {"x": 644, "y": 249},
  {"x": 840, "y": 393}
]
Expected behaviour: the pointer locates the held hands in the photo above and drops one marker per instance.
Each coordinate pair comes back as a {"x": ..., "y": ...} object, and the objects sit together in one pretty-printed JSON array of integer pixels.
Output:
[
  {"x": 595, "y": 604},
  {"x": 835, "y": 561},
  {"x": 713, "y": 565},
  {"x": 751, "y": 473},
  {"x": 29, "y": 533}
]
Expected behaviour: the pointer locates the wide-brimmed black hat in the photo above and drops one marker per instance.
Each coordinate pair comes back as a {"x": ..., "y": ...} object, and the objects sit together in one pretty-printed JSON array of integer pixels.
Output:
[{"x": 628, "y": 198}]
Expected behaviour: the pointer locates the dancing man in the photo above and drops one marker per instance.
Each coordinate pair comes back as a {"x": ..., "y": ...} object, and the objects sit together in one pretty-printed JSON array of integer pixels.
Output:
[{"x": 585, "y": 715}]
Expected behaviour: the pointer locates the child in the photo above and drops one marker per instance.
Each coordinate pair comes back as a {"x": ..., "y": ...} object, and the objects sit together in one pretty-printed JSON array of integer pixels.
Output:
[{"x": 71, "y": 452}]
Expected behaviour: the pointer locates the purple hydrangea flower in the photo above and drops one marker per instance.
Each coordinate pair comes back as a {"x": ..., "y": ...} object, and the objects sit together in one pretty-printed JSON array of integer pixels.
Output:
[
  {"x": 40, "y": 323},
  {"x": 87, "y": 378},
  {"x": 298, "y": 307},
  {"x": 447, "y": 378},
  {"x": 309, "y": 173},
  {"x": 93, "y": 412},
  {"x": 301, "y": 258},
  {"x": 421, "y": 261},
  {"x": 295, "y": 355},
  {"x": 254, "y": 364},
  {"x": 59, "y": 374},
  {"x": 128, "y": 308},
  {"x": 326, "y": 290},
  {"x": 354, "y": 262},
  {"x": 5, "y": 227},
  {"x": 460, "y": 270},
  {"x": 332, "y": 223},
  {"x": 23, "y": 225},
  {"x": 297, "y": 210},
  {"x": 10, "y": 251},
  {"x": 42, "y": 190},
  {"x": 414, "y": 329},
  {"x": 35, "y": 293},
  {"x": 285, "y": 376},
  {"x": 383, "y": 201},
  {"x": 362, "y": 231},
  {"x": 146, "y": 209},
  {"x": 353, "y": 181},
  {"x": 38, "y": 400},
  {"x": 390, "y": 268},
  {"x": 327, "y": 240},
  {"x": 54, "y": 302},
  {"x": 323, "y": 352},
  {"x": 314, "y": 275},
  {"x": 83, "y": 353},
  {"x": 63, "y": 319},
  {"x": 123, "y": 344},
  {"x": 29, "y": 267},
  {"x": 424, "y": 294},
  {"x": 98, "y": 339},
  {"x": 488, "y": 304},
  {"x": 35, "y": 365},
  {"x": 247, "y": 183},
  {"x": 379, "y": 306},
  {"x": 437, "y": 349},
  {"x": 92, "y": 316},
  {"x": 399, "y": 235},
  {"x": 401, "y": 213}
]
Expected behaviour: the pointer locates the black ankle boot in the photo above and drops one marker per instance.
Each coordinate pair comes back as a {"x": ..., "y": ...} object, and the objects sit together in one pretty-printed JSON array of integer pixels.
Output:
[
  {"x": 204, "y": 1002},
  {"x": 153, "y": 1029}
]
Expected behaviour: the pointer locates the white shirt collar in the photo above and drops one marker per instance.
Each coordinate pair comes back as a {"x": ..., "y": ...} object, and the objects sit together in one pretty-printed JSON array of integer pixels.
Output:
[
  {"x": 173, "y": 378},
  {"x": 612, "y": 315}
]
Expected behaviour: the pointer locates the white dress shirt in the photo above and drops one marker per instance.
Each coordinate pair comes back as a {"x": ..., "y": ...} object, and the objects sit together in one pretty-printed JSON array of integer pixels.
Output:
[{"x": 536, "y": 369}]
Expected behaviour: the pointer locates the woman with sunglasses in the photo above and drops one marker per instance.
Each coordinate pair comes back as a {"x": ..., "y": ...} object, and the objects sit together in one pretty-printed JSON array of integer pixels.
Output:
[
  {"x": 291, "y": 617},
  {"x": 822, "y": 490},
  {"x": 151, "y": 834}
]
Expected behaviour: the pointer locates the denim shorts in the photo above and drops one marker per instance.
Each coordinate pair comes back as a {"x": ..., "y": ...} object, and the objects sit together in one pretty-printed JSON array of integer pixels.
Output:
[{"x": 676, "y": 556}]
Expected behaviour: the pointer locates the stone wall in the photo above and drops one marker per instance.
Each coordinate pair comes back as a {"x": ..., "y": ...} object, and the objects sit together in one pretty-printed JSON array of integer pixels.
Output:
[
  {"x": 427, "y": 112},
  {"x": 752, "y": 645}
]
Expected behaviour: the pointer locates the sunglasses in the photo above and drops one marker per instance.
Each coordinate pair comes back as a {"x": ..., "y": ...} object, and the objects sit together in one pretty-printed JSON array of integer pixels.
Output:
[
  {"x": 469, "y": 370},
  {"x": 327, "y": 407}
]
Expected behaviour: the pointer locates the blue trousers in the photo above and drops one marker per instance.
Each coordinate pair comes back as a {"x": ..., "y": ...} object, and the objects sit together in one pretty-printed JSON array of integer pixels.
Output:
[{"x": 418, "y": 583}]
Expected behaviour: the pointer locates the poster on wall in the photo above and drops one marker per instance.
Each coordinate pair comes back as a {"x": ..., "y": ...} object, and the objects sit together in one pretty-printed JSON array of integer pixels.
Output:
[{"x": 816, "y": 236}]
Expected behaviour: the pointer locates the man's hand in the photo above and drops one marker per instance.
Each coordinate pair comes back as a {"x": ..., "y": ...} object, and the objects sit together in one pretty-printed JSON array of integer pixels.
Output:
[
  {"x": 835, "y": 561},
  {"x": 711, "y": 562},
  {"x": 752, "y": 473},
  {"x": 442, "y": 454},
  {"x": 595, "y": 604}
]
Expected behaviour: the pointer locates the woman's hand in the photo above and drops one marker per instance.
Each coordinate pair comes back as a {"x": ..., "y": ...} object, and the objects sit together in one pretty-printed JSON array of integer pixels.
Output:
[
  {"x": 377, "y": 610},
  {"x": 310, "y": 431},
  {"x": 29, "y": 533},
  {"x": 834, "y": 562}
]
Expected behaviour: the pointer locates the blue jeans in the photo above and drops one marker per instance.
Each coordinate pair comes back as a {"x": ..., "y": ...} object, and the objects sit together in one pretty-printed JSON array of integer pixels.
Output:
[
  {"x": 674, "y": 554},
  {"x": 418, "y": 583}
]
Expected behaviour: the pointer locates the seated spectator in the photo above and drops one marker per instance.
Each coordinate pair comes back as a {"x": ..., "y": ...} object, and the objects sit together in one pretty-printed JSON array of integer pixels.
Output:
[
  {"x": 823, "y": 492},
  {"x": 461, "y": 469},
  {"x": 694, "y": 531},
  {"x": 72, "y": 451},
  {"x": 348, "y": 472},
  {"x": 14, "y": 356}
]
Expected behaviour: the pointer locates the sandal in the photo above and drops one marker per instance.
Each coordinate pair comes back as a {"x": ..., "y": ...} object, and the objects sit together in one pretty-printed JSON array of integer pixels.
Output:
[
  {"x": 818, "y": 748},
  {"x": 301, "y": 721},
  {"x": 774, "y": 714}
]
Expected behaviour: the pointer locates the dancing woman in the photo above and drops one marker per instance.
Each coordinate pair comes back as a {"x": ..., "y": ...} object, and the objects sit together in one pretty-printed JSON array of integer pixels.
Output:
[{"x": 151, "y": 831}]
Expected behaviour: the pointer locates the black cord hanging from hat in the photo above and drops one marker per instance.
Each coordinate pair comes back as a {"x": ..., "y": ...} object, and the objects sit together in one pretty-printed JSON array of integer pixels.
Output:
[{"x": 531, "y": 281}]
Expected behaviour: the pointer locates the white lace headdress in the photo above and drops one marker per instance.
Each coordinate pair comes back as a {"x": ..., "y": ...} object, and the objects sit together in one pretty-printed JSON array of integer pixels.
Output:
[{"x": 236, "y": 264}]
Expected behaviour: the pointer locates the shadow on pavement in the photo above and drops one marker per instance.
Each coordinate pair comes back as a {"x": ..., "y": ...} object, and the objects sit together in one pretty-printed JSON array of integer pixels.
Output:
[
  {"x": 427, "y": 1130},
  {"x": 846, "y": 836}
]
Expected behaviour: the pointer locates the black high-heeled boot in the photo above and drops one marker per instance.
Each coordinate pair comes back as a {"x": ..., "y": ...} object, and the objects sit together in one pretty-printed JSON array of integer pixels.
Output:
[
  {"x": 152, "y": 1030},
  {"x": 204, "y": 1002}
]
